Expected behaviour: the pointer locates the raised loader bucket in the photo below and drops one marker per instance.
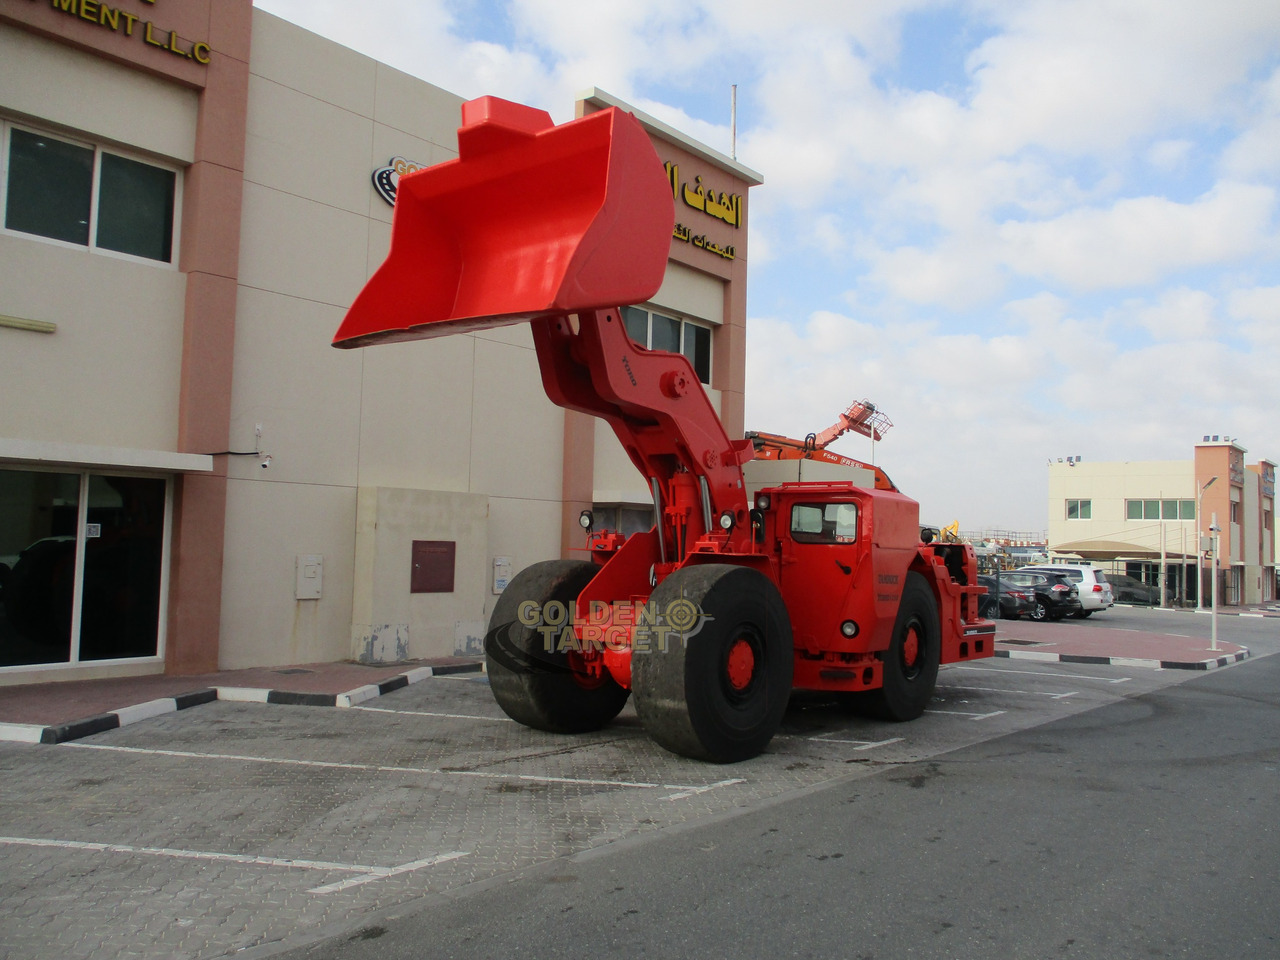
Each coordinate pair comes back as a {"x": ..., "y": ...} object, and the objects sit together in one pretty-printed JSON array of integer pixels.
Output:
[{"x": 531, "y": 220}]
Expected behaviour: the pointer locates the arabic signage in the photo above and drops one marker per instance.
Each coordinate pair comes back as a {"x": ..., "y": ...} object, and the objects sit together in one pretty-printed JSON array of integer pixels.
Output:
[
  {"x": 726, "y": 207},
  {"x": 126, "y": 24},
  {"x": 1235, "y": 465},
  {"x": 702, "y": 242},
  {"x": 387, "y": 179}
]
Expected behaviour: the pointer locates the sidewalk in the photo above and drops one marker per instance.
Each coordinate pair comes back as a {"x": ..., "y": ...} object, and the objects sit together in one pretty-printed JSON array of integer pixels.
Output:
[
  {"x": 1077, "y": 641},
  {"x": 60, "y": 711}
]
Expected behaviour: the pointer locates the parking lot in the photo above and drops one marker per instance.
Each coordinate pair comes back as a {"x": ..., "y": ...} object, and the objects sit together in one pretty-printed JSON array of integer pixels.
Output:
[{"x": 237, "y": 827}]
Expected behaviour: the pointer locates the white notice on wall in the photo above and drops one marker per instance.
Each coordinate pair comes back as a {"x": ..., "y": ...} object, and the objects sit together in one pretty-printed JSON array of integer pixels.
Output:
[{"x": 501, "y": 573}]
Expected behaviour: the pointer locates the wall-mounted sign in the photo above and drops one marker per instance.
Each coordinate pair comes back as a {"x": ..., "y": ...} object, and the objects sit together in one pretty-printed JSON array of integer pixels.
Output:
[
  {"x": 702, "y": 242},
  {"x": 725, "y": 206},
  {"x": 387, "y": 179},
  {"x": 111, "y": 18}
]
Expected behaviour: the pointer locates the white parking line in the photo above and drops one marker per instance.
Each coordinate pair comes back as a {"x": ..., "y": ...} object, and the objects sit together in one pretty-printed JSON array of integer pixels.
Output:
[
  {"x": 972, "y": 716},
  {"x": 860, "y": 744},
  {"x": 1025, "y": 693},
  {"x": 691, "y": 789},
  {"x": 1042, "y": 673},
  {"x": 427, "y": 713},
  {"x": 367, "y": 873},
  {"x": 694, "y": 791}
]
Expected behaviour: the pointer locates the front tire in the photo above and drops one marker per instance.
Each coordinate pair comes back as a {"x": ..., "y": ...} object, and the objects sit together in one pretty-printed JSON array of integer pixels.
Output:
[
  {"x": 1039, "y": 613},
  {"x": 717, "y": 687},
  {"x": 911, "y": 662},
  {"x": 534, "y": 680}
]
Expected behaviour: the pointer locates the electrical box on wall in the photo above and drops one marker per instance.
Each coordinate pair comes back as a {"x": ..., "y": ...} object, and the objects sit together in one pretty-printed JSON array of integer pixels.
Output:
[
  {"x": 433, "y": 566},
  {"x": 501, "y": 573},
  {"x": 310, "y": 577}
]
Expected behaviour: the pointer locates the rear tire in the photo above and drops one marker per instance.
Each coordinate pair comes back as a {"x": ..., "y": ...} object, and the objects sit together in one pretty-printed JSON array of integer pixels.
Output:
[
  {"x": 911, "y": 662},
  {"x": 1083, "y": 614},
  {"x": 717, "y": 690},
  {"x": 540, "y": 687},
  {"x": 1039, "y": 613}
]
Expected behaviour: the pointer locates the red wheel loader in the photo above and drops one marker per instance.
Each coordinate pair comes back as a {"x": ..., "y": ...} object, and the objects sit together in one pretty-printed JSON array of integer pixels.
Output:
[{"x": 712, "y": 617}]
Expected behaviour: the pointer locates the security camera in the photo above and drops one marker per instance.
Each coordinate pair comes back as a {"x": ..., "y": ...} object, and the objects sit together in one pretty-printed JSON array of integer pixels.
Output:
[{"x": 266, "y": 461}]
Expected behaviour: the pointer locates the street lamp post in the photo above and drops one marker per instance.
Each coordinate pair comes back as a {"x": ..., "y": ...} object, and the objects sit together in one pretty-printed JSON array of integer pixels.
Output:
[
  {"x": 1213, "y": 631},
  {"x": 1199, "y": 547}
]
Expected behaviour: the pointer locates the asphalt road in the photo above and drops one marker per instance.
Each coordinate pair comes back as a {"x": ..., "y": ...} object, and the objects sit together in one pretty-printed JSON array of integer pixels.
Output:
[{"x": 1146, "y": 827}]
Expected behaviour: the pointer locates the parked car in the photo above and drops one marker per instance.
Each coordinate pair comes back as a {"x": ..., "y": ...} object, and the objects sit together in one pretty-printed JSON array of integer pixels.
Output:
[
  {"x": 1095, "y": 591},
  {"x": 1127, "y": 589},
  {"x": 1055, "y": 595},
  {"x": 1014, "y": 601}
]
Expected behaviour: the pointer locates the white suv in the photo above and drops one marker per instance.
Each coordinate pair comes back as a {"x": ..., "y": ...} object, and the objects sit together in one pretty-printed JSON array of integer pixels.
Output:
[{"x": 1095, "y": 592}]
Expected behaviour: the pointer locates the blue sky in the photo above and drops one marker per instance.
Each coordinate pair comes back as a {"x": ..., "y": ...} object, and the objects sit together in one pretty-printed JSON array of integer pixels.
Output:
[{"x": 1025, "y": 230}]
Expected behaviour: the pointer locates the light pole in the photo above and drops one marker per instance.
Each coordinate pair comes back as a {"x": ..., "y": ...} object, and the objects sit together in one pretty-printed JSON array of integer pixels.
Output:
[
  {"x": 1200, "y": 547},
  {"x": 1213, "y": 632}
]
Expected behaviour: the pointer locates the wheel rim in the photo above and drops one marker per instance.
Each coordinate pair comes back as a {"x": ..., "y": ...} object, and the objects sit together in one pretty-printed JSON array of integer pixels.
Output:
[
  {"x": 741, "y": 663},
  {"x": 582, "y": 673},
  {"x": 741, "y": 666},
  {"x": 911, "y": 652}
]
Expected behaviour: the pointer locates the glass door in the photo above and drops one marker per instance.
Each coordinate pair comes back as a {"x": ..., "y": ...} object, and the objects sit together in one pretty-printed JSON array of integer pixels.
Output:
[{"x": 81, "y": 566}]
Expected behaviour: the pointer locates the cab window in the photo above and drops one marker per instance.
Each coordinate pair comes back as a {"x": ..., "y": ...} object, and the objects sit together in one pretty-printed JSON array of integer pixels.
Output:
[{"x": 824, "y": 522}]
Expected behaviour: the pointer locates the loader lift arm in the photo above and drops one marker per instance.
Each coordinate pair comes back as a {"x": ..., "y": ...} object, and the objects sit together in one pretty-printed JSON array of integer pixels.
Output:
[{"x": 564, "y": 258}]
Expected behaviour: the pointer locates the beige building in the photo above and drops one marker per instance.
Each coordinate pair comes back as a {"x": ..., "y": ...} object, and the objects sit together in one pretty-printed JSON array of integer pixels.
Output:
[
  {"x": 191, "y": 478},
  {"x": 1141, "y": 517}
]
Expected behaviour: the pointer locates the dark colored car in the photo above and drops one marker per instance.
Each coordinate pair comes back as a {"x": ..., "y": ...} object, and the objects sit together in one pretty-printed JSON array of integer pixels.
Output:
[
  {"x": 1056, "y": 596},
  {"x": 1015, "y": 601},
  {"x": 1132, "y": 590}
]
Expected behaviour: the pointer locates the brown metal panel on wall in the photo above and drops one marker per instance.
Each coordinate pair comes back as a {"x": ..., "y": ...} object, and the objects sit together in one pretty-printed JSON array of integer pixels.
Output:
[{"x": 434, "y": 563}]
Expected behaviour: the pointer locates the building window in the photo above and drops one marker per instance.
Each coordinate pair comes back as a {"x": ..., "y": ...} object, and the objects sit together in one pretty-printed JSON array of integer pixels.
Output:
[
  {"x": 1160, "y": 509},
  {"x": 660, "y": 331},
  {"x": 82, "y": 194},
  {"x": 1235, "y": 512},
  {"x": 1079, "y": 509}
]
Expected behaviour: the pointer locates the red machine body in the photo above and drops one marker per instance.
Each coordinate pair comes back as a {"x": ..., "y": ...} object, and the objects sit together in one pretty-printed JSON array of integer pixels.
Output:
[{"x": 711, "y": 617}]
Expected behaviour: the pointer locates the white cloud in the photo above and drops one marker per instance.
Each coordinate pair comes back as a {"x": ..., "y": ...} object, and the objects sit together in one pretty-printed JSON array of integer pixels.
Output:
[
  {"x": 1180, "y": 314},
  {"x": 1143, "y": 239}
]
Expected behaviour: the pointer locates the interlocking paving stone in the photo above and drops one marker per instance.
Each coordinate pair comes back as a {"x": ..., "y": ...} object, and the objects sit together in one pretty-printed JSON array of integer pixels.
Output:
[{"x": 383, "y": 787}]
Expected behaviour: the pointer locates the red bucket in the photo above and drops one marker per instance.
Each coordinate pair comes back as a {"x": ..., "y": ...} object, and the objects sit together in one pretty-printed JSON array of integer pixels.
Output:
[{"x": 531, "y": 220}]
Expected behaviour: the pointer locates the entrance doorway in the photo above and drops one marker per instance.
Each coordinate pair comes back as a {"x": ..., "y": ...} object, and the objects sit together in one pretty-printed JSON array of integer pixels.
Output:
[{"x": 81, "y": 566}]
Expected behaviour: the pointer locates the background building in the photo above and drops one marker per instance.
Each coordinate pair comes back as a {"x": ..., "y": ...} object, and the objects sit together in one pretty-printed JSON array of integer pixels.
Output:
[
  {"x": 191, "y": 478},
  {"x": 1134, "y": 517}
]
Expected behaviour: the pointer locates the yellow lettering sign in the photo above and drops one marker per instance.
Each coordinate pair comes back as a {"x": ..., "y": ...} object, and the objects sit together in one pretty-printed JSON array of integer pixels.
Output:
[
  {"x": 724, "y": 206},
  {"x": 111, "y": 18}
]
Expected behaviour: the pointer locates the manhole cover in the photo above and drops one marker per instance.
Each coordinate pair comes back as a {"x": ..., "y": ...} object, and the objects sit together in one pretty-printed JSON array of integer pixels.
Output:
[
  {"x": 293, "y": 670},
  {"x": 1021, "y": 643}
]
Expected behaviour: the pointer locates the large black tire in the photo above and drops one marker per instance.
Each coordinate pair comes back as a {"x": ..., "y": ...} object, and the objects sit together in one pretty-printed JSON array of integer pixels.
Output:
[
  {"x": 911, "y": 662},
  {"x": 537, "y": 686},
  {"x": 718, "y": 686},
  {"x": 1082, "y": 614}
]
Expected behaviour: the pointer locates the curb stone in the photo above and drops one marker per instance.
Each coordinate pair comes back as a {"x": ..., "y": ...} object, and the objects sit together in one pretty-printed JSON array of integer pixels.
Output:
[
  {"x": 1209, "y": 664},
  {"x": 87, "y": 726}
]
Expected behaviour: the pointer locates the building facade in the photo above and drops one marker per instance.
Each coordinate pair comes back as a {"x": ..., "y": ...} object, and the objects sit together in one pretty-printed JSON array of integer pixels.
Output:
[
  {"x": 191, "y": 478},
  {"x": 1142, "y": 518}
]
